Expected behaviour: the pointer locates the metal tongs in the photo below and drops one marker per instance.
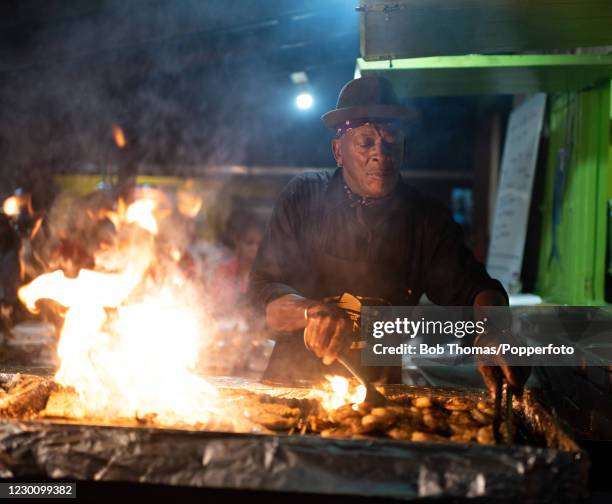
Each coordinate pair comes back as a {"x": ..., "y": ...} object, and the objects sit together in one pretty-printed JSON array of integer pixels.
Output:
[
  {"x": 373, "y": 397},
  {"x": 502, "y": 386}
]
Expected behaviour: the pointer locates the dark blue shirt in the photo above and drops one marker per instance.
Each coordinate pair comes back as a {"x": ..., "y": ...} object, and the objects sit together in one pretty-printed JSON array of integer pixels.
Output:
[
  {"x": 318, "y": 244},
  {"x": 321, "y": 243}
]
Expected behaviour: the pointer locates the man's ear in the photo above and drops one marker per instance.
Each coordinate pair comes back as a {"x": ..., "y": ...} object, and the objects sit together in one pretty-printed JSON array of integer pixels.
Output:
[{"x": 337, "y": 151}]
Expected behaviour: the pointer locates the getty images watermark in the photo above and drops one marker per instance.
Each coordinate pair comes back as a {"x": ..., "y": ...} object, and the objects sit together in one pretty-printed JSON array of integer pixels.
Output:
[{"x": 533, "y": 336}]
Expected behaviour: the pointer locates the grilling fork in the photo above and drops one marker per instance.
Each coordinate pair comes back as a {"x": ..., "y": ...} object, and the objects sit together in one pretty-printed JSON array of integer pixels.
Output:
[{"x": 497, "y": 415}]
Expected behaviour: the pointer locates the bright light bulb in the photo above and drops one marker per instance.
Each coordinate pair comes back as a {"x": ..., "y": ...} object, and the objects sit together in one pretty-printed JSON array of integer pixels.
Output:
[{"x": 304, "y": 101}]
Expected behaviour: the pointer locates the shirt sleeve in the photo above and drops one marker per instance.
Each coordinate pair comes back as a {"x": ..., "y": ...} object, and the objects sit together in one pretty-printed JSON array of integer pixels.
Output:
[
  {"x": 452, "y": 275},
  {"x": 280, "y": 261}
]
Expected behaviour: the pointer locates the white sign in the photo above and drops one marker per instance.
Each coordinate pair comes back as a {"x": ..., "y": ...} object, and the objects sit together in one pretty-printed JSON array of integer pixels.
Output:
[{"x": 507, "y": 244}]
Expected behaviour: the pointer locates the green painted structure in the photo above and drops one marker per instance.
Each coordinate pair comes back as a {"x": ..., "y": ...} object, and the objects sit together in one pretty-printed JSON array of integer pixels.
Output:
[
  {"x": 477, "y": 74},
  {"x": 576, "y": 275},
  {"x": 574, "y": 209}
]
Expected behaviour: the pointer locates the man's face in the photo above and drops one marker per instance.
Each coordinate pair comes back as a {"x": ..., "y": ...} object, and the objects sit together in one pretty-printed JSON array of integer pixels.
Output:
[{"x": 370, "y": 156}]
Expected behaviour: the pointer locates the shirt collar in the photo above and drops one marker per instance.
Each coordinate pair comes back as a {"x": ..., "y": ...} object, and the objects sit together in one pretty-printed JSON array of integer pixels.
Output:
[{"x": 337, "y": 195}]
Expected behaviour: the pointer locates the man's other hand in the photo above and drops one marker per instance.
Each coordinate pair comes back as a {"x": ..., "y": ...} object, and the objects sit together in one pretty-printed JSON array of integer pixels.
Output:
[{"x": 494, "y": 368}]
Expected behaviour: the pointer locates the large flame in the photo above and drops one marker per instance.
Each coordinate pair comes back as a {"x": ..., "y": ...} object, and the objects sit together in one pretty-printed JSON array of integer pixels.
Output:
[
  {"x": 134, "y": 325},
  {"x": 142, "y": 213},
  {"x": 339, "y": 392},
  {"x": 130, "y": 339}
]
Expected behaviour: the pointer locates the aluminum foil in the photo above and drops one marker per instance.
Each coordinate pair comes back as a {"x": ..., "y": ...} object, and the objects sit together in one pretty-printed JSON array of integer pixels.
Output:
[
  {"x": 290, "y": 463},
  {"x": 307, "y": 464}
]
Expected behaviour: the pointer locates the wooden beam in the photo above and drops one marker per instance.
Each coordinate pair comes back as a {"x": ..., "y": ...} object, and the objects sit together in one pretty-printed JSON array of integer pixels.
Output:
[{"x": 414, "y": 28}]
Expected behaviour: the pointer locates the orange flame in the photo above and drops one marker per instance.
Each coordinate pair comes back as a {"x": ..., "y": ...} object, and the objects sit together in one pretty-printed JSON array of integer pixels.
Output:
[
  {"x": 119, "y": 137},
  {"x": 142, "y": 212},
  {"x": 36, "y": 228},
  {"x": 122, "y": 328},
  {"x": 339, "y": 392},
  {"x": 175, "y": 254}
]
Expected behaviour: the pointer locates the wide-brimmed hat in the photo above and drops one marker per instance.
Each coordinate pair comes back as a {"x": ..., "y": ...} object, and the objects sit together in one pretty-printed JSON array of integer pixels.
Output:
[{"x": 370, "y": 97}]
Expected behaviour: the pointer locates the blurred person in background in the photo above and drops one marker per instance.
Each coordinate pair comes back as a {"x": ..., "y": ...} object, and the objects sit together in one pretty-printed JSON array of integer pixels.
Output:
[
  {"x": 241, "y": 346},
  {"x": 230, "y": 278}
]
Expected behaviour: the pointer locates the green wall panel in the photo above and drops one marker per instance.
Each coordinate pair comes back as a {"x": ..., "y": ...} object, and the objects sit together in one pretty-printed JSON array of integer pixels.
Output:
[{"x": 574, "y": 274}]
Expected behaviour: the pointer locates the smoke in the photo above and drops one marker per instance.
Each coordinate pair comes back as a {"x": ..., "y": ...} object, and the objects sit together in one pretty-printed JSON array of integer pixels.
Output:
[{"x": 193, "y": 84}]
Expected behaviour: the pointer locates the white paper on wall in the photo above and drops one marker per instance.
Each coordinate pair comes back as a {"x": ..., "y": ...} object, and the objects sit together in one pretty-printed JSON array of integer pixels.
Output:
[{"x": 505, "y": 257}]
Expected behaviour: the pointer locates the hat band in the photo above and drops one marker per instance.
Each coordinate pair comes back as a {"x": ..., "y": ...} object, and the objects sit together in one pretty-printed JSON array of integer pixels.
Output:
[{"x": 348, "y": 125}]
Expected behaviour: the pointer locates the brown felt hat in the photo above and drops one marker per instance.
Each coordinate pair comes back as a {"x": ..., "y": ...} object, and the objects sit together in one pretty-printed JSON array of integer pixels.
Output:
[{"x": 370, "y": 97}]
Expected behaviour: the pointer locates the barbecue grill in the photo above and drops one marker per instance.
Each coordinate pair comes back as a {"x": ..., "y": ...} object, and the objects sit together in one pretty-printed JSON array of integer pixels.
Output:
[{"x": 137, "y": 450}]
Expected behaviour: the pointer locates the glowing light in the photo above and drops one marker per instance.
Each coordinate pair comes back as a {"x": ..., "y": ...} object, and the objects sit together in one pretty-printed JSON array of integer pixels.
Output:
[
  {"x": 119, "y": 137},
  {"x": 304, "y": 101},
  {"x": 13, "y": 204}
]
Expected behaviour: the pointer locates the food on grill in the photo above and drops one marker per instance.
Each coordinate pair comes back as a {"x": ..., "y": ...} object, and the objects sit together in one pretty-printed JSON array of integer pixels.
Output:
[
  {"x": 423, "y": 402},
  {"x": 465, "y": 436},
  {"x": 398, "y": 457},
  {"x": 486, "y": 407},
  {"x": 63, "y": 403},
  {"x": 485, "y": 435},
  {"x": 344, "y": 413},
  {"x": 481, "y": 417},
  {"x": 459, "y": 404},
  {"x": 407, "y": 417},
  {"x": 23, "y": 395},
  {"x": 402, "y": 432},
  {"x": 427, "y": 437},
  {"x": 376, "y": 423},
  {"x": 435, "y": 420},
  {"x": 462, "y": 420}
]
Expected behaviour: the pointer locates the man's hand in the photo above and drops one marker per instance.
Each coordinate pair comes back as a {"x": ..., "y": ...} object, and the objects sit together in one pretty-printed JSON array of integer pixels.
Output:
[
  {"x": 329, "y": 331},
  {"x": 494, "y": 368}
]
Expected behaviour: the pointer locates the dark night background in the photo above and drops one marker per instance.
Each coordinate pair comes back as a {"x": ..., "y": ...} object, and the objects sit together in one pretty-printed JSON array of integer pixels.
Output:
[{"x": 193, "y": 84}]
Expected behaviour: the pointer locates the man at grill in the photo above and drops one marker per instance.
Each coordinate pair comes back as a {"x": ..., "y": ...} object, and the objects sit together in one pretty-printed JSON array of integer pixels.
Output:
[{"x": 360, "y": 233}]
